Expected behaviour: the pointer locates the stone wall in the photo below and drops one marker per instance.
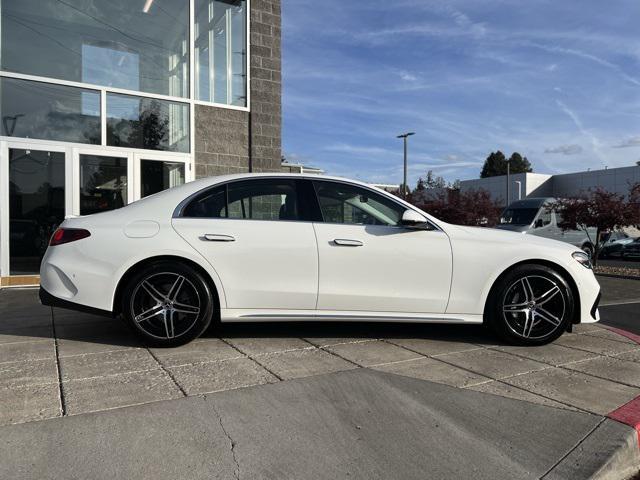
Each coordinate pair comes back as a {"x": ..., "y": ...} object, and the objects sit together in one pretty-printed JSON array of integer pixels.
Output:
[{"x": 224, "y": 137}]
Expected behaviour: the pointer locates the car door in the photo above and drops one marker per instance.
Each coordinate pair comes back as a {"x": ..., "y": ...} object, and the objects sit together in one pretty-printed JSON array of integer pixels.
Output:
[
  {"x": 254, "y": 234},
  {"x": 369, "y": 262}
]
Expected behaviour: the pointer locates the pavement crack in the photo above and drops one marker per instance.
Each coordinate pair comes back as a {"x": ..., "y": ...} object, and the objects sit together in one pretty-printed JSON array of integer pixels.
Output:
[
  {"x": 232, "y": 443},
  {"x": 63, "y": 406},
  {"x": 580, "y": 442},
  {"x": 169, "y": 374}
]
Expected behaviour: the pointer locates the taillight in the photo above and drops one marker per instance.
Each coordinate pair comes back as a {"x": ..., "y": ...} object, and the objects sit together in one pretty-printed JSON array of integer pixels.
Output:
[{"x": 66, "y": 235}]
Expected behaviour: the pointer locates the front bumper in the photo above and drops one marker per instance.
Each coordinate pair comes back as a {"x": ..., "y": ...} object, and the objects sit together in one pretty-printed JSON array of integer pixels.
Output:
[{"x": 595, "y": 313}]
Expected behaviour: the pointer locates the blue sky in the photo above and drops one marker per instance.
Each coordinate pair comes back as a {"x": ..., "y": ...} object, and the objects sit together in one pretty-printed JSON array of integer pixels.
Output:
[{"x": 558, "y": 81}]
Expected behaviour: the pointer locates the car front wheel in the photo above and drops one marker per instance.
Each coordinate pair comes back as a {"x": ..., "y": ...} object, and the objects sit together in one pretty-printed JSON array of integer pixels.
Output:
[
  {"x": 531, "y": 305},
  {"x": 168, "y": 304}
]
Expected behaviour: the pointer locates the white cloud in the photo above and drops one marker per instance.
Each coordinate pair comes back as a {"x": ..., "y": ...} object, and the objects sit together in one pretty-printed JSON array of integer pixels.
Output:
[
  {"x": 629, "y": 142},
  {"x": 565, "y": 149}
]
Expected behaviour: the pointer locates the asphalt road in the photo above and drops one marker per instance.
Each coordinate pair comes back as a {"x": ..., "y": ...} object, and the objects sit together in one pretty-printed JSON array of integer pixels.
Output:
[{"x": 625, "y": 316}]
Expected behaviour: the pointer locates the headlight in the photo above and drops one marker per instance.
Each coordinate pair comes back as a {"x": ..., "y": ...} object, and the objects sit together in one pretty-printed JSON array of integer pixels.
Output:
[{"x": 582, "y": 258}]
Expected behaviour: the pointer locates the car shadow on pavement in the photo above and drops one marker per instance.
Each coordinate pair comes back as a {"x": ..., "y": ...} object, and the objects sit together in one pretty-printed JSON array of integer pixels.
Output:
[
  {"x": 355, "y": 331},
  {"x": 24, "y": 319}
]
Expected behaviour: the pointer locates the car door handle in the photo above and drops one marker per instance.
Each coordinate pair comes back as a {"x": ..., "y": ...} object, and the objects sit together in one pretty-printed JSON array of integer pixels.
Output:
[
  {"x": 345, "y": 242},
  {"x": 212, "y": 237}
]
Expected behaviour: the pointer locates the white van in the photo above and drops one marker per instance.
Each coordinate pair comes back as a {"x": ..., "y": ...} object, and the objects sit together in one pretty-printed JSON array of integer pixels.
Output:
[{"x": 533, "y": 217}]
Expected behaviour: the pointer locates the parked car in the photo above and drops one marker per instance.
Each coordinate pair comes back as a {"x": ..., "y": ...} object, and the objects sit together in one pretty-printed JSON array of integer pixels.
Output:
[
  {"x": 631, "y": 250},
  {"x": 613, "y": 243},
  {"x": 295, "y": 247},
  {"x": 536, "y": 216}
]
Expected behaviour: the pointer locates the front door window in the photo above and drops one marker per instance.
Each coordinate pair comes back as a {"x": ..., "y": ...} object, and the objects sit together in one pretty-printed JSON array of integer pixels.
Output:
[
  {"x": 103, "y": 183},
  {"x": 36, "y": 205}
]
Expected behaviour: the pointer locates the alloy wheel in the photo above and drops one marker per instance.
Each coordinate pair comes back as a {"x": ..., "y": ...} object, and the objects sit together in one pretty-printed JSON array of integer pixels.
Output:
[
  {"x": 534, "y": 307},
  {"x": 165, "y": 305}
]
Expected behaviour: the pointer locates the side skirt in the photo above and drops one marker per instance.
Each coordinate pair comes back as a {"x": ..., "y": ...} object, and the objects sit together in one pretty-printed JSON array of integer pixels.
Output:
[{"x": 254, "y": 315}]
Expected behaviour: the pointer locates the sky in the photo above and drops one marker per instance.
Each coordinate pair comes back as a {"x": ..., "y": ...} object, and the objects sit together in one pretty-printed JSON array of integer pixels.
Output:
[{"x": 557, "y": 81}]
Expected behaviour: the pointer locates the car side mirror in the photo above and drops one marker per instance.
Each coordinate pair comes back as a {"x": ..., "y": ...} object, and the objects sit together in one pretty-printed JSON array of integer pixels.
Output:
[
  {"x": 539, "y": 223},
  {"x": 412, "y": 219}
]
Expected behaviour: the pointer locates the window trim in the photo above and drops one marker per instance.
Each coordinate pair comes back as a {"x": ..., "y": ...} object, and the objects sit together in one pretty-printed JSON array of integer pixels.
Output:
[
  {"x": 309, "y": 196},
  {"x": 306, "y": 208}
]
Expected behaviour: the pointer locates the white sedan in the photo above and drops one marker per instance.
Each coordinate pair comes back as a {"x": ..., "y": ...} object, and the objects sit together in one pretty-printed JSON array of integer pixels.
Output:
[{"x": 290, "y": 247}]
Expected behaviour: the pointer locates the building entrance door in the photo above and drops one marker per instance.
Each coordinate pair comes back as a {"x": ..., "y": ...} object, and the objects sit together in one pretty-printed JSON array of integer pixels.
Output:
[{"x": 33, "y": 188}]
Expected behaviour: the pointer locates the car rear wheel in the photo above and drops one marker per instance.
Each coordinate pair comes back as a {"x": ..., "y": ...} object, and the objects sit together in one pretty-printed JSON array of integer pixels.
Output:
[
  {"x": 531, "y": 305},
  {"x": 168, "y": 304}
]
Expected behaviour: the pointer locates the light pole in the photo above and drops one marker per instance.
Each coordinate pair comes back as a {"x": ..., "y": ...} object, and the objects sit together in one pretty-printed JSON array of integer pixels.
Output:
[{"x": 404, "y": 137}]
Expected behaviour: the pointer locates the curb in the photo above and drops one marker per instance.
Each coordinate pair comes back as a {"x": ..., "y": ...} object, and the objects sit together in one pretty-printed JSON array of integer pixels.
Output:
[
  {"x": 611, "y": 451},
  {"x": 621, "y": 277}
]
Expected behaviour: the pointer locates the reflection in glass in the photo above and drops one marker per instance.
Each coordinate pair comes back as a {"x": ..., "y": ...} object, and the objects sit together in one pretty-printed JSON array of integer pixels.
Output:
[
  {"x": 49, "y": 112},
  {"x": 220, "y": 51},
  {"x": 158, "y": 176},
  {"x": 36, "y": 206},
  {"x": 103, "y": 183},
  {"x": 115, "y": 43},
  {"x": 137, "y": 122}
]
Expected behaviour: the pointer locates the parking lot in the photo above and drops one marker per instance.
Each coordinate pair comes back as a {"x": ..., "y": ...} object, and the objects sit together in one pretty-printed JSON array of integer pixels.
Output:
[{"x": 57, "y": 363}]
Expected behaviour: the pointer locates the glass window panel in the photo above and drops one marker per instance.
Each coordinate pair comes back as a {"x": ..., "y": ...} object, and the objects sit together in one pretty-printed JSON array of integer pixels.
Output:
[
  {"x": 210, "y": 204},
  {"x": 263, "y": 200},
  {"x": 36, "y": 206},
  {"x": 137, "y": 122},
  {"x": 139, "y": 45},
  {"x": 353, "y": 205},
  {"x": 49, "y": 112},
  {"x": 158, "y": 176},
  {"x": 220, "y": 51},
  {"x": 103, "y": 183}
]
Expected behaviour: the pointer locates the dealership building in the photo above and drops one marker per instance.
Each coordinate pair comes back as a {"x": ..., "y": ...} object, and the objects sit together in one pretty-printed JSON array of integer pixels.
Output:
[
  {"x": 105, "y": 102},
  {"x": 529, "y": 185}
]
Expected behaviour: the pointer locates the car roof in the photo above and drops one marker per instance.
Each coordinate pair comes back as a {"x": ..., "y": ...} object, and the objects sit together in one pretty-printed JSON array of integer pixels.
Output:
[{"x": 535, "y": 202}]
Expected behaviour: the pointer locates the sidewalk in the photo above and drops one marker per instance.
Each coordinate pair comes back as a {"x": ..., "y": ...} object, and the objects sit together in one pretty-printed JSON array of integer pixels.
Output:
[
  {"x": 65, "y": 364},
  {"x": 357, "y": 424}
]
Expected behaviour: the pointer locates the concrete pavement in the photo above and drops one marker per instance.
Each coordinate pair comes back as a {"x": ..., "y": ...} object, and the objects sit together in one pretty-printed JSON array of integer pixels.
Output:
[
  {"x": 63, "y": 364},
  {"x": 356, "y": 424}
]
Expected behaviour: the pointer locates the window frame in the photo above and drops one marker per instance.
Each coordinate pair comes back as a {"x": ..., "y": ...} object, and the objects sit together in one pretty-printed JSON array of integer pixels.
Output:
[
  {"x": 366, "y": 189},
  {"x": 307, "y": 204}
]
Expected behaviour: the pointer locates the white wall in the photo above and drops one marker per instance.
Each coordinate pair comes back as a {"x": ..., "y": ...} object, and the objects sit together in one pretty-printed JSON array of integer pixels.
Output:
[
  {"x": 615, "y": 180},
  {"x": 532, "y": 184}
]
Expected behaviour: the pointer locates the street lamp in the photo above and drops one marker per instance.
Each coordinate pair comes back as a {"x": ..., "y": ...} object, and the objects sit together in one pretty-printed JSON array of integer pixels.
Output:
[{"x": 404, "y": 137}]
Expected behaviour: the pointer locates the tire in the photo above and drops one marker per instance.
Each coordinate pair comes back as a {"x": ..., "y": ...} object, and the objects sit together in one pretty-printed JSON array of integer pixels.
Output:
[
  {"x": 588, "y": 249},
  {"x": 168, "y": 304},
  {"x": 530, "y": 305}
]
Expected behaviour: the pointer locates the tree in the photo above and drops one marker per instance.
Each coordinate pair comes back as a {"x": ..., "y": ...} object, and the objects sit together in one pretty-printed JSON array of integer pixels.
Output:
[
  {"x": 632, "y": 213},
  {"x": 600, "y": 210},
  {"x": 430, "y": 182},
  {"x": 519, "y": 164},
  {"x": 496, "y": 164},
  {"x": 474, "y": 208}
]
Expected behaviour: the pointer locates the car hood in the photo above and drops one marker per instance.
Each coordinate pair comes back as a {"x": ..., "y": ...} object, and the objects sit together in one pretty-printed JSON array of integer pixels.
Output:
[
  {"x": 513, "y": 228},
  {"x": 500, "y": 236}
]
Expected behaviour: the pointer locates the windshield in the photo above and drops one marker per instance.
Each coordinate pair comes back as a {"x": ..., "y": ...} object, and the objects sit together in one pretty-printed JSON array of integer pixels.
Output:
[{"x": 518, "y": 216}]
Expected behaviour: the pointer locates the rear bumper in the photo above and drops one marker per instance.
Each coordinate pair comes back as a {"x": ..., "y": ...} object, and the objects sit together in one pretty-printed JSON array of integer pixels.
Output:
[{"x": 51, "y": 301}]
